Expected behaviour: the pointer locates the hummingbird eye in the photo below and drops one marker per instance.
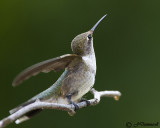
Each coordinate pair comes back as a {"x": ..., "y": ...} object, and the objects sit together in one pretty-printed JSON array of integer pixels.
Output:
[{"x": 89, "y": 36}]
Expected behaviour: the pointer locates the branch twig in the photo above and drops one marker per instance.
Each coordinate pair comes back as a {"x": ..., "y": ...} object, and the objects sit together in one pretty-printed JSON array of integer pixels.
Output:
[{"x": 69, "y": 108}]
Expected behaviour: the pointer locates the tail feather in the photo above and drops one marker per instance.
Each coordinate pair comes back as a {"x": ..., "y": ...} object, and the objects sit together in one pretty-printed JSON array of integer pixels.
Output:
[
  {"x": 22, "y": 119},
  {"x": 27, "y": 115},
  {"x": 21, "y": 106}
]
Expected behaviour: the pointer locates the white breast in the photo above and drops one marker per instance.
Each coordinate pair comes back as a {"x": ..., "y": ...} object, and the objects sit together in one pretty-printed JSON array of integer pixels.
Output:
[{"x": 90, "y": 61}]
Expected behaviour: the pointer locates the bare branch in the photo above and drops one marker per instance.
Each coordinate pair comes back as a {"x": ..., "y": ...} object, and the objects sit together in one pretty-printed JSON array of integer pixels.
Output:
[{"x": 69, "y": 108}]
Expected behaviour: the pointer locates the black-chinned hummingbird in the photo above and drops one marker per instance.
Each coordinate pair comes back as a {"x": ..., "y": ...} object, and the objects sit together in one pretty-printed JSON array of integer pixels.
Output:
[{"x": 77, "y": 79}]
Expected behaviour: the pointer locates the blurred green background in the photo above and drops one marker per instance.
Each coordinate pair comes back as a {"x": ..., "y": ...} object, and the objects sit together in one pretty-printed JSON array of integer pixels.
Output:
[{"x": 127, "y": 46}]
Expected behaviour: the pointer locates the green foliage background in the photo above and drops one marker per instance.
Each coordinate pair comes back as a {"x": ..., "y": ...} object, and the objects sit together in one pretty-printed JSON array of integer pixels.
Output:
[{"x": 127, "y": 46}]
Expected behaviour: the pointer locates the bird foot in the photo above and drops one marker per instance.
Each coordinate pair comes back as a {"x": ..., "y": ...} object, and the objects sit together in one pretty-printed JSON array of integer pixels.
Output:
[
  {"x": 71, "y": 102},
  {"x": 87, "y": 102},
  {"x": 76, "y": 106}
]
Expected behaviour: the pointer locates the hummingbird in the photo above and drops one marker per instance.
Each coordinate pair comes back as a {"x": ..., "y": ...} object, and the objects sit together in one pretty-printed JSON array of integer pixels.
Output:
[{"x": 76, "y": 80}]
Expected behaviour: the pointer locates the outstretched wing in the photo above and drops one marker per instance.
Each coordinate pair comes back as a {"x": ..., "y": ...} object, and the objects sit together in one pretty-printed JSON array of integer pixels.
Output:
[{"x": 55, "y": 64}]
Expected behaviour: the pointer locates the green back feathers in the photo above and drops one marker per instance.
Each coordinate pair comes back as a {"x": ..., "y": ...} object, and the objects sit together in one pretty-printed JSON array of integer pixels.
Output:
[{"x": 53, "y": 90}]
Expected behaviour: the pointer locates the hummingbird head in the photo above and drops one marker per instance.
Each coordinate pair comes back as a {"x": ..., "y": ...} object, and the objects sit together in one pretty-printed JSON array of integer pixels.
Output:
[{"x": 82, "y": 44}]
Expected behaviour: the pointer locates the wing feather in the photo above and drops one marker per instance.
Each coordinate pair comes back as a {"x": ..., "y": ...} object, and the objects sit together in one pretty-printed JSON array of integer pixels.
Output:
[{"x": 54, "y": 64}]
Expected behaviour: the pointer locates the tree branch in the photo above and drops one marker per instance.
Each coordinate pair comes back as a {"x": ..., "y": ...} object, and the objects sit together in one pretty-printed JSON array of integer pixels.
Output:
[{"x": 69, "y": 108}]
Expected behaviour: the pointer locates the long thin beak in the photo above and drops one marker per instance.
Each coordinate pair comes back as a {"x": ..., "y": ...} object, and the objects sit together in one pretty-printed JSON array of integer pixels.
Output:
[{"x": 93, "y": 28}]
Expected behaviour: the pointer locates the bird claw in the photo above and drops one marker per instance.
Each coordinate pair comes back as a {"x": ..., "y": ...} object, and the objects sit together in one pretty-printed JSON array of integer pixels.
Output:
[
  {"x": 71, "y": 102},
  {"x": 87, "y": 102},
  {"x": 76, "y": 106}
]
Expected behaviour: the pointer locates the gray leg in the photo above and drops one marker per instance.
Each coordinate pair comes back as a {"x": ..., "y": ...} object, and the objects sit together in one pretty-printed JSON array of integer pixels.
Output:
[{"x": 71, "y": 102}]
